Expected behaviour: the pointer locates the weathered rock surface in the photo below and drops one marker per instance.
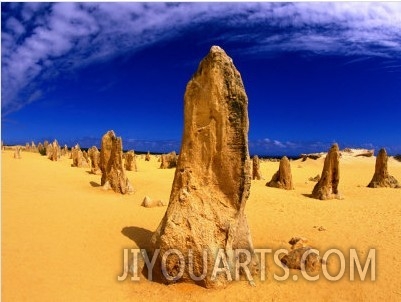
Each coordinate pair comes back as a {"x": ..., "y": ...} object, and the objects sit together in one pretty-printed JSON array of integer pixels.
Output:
[
  {"x": 56, "y": 151},
  {"x": 49, "y": 151},
  {"x": 315, "y": 179},
  {"x": 292, "y": 260},
  {"x": 147, "y": 157},
  {"x": 45, "y": 144},
  {"x": 357, "y": 152},
  {"x": 41, "y": 149},
  {"x": 169, "y": 160},
  {"x": 31, "y": 147},
  {"x": 298, "y": 242},
  {"x": 382, "y": 178},
  {"x": 94, "y": 156},
  {"x": 53, "y": 151},
  {"x": 150, "y": 203},
  {"x": 256, "y": 174},
  {"x": 282, "y": 179},
  {"x": 85, "y": 155},
  {"x": 111, "y": 164},
  {"x": 74, "y": 156},
  {"x": 64, "y": 150},
  {"x": 130, "y": 161},
  {"x": 368, "y": 153},
  {"x": 327, "y": 186},
  {"x": 17, "y": 152},
  {"x": 313, "y": 156},
  {"x": 212, "y": 179},
  {"x": 78, "y": 159}
]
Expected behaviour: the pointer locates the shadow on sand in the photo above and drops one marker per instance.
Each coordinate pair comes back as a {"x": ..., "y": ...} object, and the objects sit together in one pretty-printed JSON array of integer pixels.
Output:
[
  {"x": 94, "y": 184},
  {"x": 139, "y": 235},
  {"x": 142, "y": 238},
  {"x": 310, "y": 196}
]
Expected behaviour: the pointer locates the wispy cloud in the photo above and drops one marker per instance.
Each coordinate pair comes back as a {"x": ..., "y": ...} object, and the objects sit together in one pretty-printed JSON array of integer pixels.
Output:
[
  {"x": 269, "y": 146},
  {"x": 41, "y": 40}
]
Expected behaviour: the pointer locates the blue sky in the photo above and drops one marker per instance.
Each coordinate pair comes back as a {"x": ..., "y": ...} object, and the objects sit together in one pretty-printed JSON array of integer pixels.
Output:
[{"x": 314, "y": 73}]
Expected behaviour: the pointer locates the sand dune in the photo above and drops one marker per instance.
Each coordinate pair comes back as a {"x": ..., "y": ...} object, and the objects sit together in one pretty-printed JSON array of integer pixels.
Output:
[{"x": 63, "y": 237}]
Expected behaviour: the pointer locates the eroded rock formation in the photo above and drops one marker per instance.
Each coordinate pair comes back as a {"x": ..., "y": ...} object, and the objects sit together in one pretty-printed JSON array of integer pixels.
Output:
[
  {"x": 49, "y": 151},
  {"x": 78, "y": 159},
  {"x": 282, "y": 179},
  {"x": 94, "y": 156},
  {"x": 256, "y": 174},
  {"x": 33, "y": 147},
  {"x": 327, "y": 186},
  {"x": 169, "y": 160},
  {"x": 150, "y": 203},
  {"x": 212, "y": 180},
  {"x": 299, "y": 246},
  {"x": 313, "y": 156},
  {"x": 86, "y": 156},
  {"x": 147, "y": 157},
  {"x": 17, "y": 152},
  {"x": 45, "y": 144},
  {"x": 368, "y": 153},
  {"x": 41, "y": 149},
  {"x": 382, "y": 178},
  {"x": 111, "y": 164},
  {"x": 130, "y": 161},
  {"x": 53, "y": 151},
  {"x": 315, "y": 179},
  {"x": 357, "y": 152},
  {"x": 74, "y": 155},
  {"x": 64, "y": 150}
]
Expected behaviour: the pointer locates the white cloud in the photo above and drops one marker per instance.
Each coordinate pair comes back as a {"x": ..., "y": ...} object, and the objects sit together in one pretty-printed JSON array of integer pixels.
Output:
[
  {"x": 15, "y": 26},
  {"x": 278, "y": 144},
  {"x": 39, "y": 39}
]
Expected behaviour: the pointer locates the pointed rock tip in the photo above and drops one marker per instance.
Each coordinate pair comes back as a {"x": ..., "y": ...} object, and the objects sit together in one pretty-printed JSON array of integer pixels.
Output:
[
  {"x": 216, "y": 48},
  {"x": 110, "y": 133},
  {"x": 216, "y": 52},
  {"x": 335, "y": 147}
]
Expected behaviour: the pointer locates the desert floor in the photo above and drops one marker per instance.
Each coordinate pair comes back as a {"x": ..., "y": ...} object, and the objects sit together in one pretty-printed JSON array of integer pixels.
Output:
[{"x": 63, "y": 236}]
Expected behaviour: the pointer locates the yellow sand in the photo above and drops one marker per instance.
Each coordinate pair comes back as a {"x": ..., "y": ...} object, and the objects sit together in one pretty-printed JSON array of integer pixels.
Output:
[{"x": 63, "y": 237}]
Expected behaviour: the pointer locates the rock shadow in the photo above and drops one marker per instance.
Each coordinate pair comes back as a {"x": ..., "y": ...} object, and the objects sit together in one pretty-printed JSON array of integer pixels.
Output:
[
  {"x": 142, "y": 238},
  {"x": 94, "y": 184},
  {"x": 139, "y": 235}
]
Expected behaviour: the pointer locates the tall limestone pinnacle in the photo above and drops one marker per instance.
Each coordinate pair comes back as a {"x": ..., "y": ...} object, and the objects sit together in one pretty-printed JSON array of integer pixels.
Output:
[
  {"x": 256, "y": 174},
  {"x": 327, "y": 186},
  {"x": 212, "y": 181},
  {"x": 282, "y": 178},
  {"x": 111, "y": 164},
  {"x": 382, "y": 178}
]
